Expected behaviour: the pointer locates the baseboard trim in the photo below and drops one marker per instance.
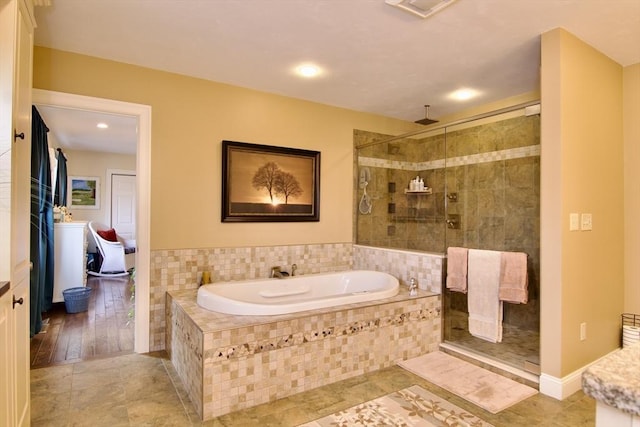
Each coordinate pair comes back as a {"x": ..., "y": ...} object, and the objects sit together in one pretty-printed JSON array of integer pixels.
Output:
[{"x": 561, "y": 388}]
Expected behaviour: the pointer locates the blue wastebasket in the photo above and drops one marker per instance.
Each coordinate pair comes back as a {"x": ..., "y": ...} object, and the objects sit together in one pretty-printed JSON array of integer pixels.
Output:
[{"x": 76, "y": 300}]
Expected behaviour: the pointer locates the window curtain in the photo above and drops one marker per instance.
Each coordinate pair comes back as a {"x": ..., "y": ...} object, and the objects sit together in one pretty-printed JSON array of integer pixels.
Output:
[
  {"x": 42, "y": 255},
  {"x": 60, "y": 198}
]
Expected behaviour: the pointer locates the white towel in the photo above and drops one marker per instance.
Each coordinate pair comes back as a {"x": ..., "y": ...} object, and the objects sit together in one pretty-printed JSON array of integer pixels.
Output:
[{"x": 485, "y": 307}]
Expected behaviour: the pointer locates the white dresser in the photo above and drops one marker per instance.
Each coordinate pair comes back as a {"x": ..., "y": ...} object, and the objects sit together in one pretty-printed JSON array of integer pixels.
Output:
[{"x": 70, "y": 247}]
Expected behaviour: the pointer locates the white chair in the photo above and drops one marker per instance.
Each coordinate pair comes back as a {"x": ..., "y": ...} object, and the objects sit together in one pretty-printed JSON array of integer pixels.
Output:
[{"x": 112, "y": 249}]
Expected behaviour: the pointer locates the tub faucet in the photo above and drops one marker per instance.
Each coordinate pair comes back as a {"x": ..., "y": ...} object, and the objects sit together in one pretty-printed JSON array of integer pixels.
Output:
[
  {"x": 413, "y": 287},
  {"x": 276, "y": 273}
]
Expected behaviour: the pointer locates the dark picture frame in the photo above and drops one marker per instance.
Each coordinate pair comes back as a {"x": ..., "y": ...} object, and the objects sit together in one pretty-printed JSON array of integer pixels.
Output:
[{"x": 264, "y": 183}]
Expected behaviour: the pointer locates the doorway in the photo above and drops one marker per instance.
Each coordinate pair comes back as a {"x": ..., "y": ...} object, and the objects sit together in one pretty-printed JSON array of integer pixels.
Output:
[{"x": 142, "y": 113}]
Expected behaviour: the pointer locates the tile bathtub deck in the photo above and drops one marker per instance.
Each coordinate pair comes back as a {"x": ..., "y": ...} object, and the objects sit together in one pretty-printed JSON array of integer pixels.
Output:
[{"x": 143, "y": 390}]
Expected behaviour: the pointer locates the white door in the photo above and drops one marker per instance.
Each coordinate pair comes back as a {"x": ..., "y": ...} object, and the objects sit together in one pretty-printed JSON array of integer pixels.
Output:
[
  {"x": 20, "y": 213},
  {"x": 7, "y": 12},
  {"x": 123, "y": 205}
]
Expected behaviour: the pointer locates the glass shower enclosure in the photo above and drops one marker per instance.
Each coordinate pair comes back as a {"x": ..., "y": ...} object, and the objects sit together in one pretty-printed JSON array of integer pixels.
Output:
[{"x": 482, "y": 190}]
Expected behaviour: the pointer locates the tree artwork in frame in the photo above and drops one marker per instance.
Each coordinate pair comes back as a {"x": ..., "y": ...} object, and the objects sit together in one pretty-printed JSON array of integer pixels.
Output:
[
  {"x": 84, "y": 191},
  {"x": 263, "y": 183}
]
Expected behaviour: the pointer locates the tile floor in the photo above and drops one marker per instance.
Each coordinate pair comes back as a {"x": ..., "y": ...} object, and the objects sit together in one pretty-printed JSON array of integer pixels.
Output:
[
  {"x": 143, "y": 390},
  {"x": 517, "y": 347}
]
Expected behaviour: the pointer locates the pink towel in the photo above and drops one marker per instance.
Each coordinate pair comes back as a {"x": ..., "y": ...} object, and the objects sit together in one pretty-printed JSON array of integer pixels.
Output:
[
  {"x": 513, "y": 278},
  {"x": 457, "y": 269}
]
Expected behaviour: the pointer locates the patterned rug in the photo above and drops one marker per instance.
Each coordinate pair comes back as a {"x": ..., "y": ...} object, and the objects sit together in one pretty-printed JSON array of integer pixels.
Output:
[
  {"x": 413, "y": 406},
  {"x": 479, "y": 386}
]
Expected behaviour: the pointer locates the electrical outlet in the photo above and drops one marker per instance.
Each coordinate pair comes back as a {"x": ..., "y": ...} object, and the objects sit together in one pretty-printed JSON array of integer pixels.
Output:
[
  {"x": 583, "y": 331},
  {"x": 586, "y": 222}
]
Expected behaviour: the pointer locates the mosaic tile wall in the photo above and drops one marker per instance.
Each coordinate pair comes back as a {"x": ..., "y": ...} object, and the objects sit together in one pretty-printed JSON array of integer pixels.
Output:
[
  {"x": 264, "y": 358},
  {"x": 185, "y": 351},
  {"x": 424, "y": 267},
  {"x": 401, "y": 220},
  {"x": 182, "y": 269}
]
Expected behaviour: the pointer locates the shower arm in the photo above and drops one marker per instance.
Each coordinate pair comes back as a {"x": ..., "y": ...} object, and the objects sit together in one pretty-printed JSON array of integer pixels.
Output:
[{"x": 453, "y": 123}]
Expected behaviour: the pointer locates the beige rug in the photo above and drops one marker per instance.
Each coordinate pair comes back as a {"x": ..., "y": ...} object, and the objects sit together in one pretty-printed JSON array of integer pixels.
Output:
[
  {"x": 479, "y": 386},
  {"x": 413, "y": 406}
]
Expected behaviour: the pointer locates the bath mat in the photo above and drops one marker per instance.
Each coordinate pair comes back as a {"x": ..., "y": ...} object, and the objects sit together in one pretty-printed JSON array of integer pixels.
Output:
[
  {"x": 479, "y": 386},
  {"x": 412, "y": 406}
]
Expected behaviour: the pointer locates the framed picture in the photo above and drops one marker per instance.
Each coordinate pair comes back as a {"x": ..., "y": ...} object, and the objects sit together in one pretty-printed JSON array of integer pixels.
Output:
[
  {"x": 84, "y": 192},
  {"x": 262, "y": 183}
]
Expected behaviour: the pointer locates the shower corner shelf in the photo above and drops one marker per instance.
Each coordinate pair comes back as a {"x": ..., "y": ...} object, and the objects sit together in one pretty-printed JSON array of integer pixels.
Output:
[{"x": 426, "y": 191}]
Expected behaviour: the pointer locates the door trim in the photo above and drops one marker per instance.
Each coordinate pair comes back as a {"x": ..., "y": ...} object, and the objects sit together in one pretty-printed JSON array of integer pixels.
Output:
[{"x": 143, "y": 188}]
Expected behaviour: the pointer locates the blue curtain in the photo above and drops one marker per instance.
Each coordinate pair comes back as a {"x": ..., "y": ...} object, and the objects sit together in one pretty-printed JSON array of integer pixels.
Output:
[
  {"x": 42, "y": 255},
  {"x": 60, "y": 198}
]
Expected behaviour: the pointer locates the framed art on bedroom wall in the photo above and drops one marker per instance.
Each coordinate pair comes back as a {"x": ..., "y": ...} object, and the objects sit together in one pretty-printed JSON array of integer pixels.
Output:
[{"x": 84, "y": 191}]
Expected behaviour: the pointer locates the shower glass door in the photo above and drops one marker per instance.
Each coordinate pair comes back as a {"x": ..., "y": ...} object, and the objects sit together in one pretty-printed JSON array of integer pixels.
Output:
[{"x": 493, "y": 202}]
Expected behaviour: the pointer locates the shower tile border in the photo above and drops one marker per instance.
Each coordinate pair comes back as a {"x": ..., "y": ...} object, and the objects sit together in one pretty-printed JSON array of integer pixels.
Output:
[{"x": 490, "y": 156}]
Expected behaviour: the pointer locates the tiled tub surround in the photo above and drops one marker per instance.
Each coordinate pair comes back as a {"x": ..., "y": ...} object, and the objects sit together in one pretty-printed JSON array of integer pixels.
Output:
[
  {"x": 228, "y": 362},
  {"x": 426, "y": 268},
  {"x": 181, "y": 269}
]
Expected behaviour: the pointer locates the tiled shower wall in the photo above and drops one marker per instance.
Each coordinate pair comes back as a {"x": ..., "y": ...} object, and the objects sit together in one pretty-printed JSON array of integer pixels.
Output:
[
  {"x": 397, "y": 219},
  {"x": 494, "y": 170}
]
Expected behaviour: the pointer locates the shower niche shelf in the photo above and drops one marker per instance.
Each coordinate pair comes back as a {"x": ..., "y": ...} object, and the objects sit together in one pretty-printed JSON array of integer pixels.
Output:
[{"x": 416, "y": 192}]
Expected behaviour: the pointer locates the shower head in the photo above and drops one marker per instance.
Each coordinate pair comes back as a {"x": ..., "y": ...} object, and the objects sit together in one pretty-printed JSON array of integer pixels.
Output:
[{"x": 426, "y": 120}]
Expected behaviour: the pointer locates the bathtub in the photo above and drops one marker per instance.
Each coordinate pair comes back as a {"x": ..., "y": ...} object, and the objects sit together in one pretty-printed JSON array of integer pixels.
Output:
[{"x": 298, "y": 293}]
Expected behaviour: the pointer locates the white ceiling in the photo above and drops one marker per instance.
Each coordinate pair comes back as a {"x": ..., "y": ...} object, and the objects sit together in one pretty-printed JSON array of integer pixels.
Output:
[
  {"x": 375, "y": 58},
  {"x": 77, "y": 130}
]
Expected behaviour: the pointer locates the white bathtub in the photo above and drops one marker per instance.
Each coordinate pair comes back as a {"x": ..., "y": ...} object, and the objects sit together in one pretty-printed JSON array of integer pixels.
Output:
[{"x": 299, "y": 293}]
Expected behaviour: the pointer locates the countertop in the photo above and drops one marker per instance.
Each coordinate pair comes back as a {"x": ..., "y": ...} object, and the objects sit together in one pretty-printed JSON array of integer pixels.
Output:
[{"x": 615, "y": 380}]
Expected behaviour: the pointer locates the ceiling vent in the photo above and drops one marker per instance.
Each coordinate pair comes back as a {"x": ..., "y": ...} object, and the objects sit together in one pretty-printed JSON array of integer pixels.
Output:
[{"x": 422, "y": 8}]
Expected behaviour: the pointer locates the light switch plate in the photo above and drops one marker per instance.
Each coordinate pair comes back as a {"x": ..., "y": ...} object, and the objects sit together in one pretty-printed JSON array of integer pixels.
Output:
[
  {"x": 574, "y": 222},
  {"x": 586, "y": 222}
]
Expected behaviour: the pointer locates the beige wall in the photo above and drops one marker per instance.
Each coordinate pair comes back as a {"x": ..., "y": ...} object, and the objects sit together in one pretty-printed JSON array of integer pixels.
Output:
[
  {"x": 631, "y": 102},
  {"x": 582, "y": 172},
  {"x": 190, "y": 118},
  {"x": 91, "y": 163}
]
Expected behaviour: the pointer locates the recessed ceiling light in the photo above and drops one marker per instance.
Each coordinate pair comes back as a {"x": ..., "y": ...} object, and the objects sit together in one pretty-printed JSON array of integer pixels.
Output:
[
  {"x": 464, "y": 94},
  {"x": 308, "y": 70},
  {"x": 102, "y": 125},
  {"x": 422, "y": 8}
]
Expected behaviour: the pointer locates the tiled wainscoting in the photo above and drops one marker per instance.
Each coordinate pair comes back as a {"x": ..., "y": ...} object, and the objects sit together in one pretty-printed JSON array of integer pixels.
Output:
[
  {"x": 181, "y": 269},
  {"x": 426, "y": 268},
  {"x": 228, "y": 363}
]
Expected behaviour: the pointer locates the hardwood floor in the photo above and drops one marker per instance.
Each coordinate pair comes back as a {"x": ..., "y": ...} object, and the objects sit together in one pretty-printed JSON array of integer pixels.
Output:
[{"x": 105, "y": 329}]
